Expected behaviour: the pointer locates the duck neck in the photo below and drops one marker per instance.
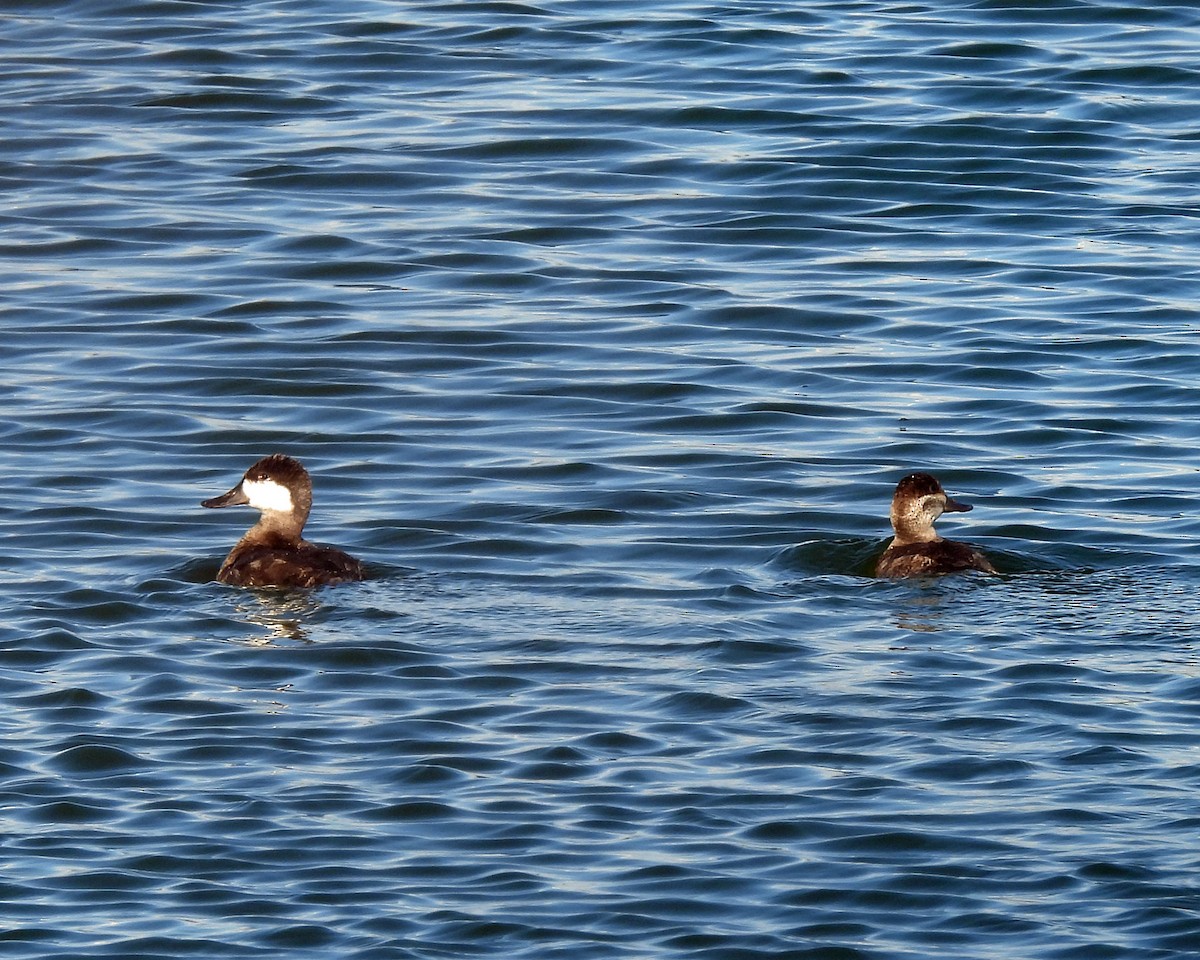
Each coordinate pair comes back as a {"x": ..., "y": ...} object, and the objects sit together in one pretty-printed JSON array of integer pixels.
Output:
[
  {"x": 909, "y": 532},
  {"x": 274, "y": 525}
]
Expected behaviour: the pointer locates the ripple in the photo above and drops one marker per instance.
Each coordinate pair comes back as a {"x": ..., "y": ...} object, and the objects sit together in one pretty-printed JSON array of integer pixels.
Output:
[{"x": 96, "y": 760}]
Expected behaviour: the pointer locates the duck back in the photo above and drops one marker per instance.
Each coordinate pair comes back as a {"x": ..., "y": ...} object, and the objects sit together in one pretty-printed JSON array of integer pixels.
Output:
[
  {"x": 931, "y": 559},
  {"x": 302, "y": 565}
]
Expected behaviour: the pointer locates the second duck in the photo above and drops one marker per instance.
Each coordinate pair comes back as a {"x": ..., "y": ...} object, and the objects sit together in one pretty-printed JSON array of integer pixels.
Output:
[{"x": 917, "y": 550}]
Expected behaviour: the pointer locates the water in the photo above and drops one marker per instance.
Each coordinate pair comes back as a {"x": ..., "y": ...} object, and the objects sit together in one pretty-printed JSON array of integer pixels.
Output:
[{"x": 605, "y": 331}]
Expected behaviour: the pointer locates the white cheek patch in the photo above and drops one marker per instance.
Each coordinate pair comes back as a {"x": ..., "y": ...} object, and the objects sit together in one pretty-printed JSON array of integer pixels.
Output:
[{"x": 267, "y": 495}]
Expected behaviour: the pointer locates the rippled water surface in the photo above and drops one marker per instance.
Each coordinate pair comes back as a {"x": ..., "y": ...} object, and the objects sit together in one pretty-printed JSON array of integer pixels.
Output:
[{"x": 606, "y": 331}]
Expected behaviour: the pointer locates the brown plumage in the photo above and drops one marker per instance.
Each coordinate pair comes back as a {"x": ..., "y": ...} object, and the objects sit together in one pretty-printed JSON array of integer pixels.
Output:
[
  {"x": 917, "y": 550},
  {"x": 272, "y": 553}
]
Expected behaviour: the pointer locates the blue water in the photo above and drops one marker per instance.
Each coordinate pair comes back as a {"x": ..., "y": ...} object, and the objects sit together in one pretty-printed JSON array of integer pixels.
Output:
[{"x": 606, "y": 330}]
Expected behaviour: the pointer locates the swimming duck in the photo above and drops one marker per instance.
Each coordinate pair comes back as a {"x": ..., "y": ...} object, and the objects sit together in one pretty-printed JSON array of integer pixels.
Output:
[
  {"x": 917, "y": 550},
  {"x": 272, "y": 552}
]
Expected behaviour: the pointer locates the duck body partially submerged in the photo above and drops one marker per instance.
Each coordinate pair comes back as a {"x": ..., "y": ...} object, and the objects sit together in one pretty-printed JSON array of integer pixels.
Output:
[{"x": 916, "y": 550}]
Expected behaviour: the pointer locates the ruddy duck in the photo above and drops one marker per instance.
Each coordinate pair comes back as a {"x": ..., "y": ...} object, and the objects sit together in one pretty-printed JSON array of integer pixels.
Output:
[
  {"x": 272, "y": 553},
  {"x": 917, "y": 550}
]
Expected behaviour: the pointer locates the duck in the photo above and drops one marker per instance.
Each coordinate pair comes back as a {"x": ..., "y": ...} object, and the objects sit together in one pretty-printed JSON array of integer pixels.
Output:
[
  {"x": 917, "y": 550},
  {"x": 272, "y": 553}
]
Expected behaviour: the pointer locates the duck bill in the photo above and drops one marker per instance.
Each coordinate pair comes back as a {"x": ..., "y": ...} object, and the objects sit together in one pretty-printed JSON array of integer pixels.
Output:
[
  {"x": 954, "y": 506},
  {"x": 233, "y": 498}
]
